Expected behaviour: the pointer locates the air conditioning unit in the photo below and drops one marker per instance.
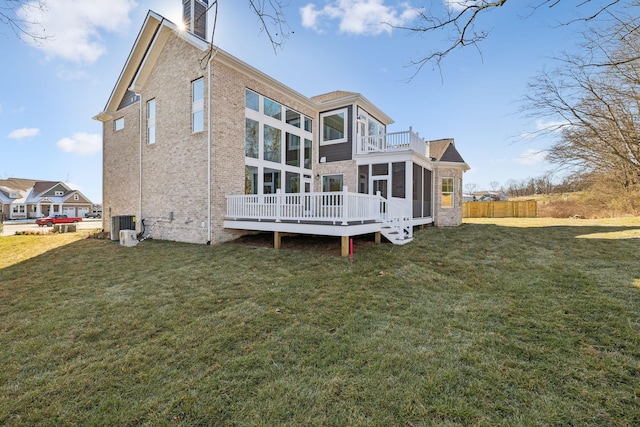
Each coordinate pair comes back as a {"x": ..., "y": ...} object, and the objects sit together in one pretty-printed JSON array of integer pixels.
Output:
[
  {"x": 121, "y": 222},
  {"x": 128, "y": 238}
]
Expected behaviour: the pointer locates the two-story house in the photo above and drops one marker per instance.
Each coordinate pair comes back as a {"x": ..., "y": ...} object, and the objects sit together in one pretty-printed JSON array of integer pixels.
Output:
[
  {"x": 204, "y": 148},
  {"x": 29, "y": 198}
]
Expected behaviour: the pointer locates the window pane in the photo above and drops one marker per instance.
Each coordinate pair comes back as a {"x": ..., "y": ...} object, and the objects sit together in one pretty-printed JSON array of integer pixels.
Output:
[
  {"x": 417, "y": 191},
  {"x": 308, "y": 124},
  {"x": 198, "y": 121},
  {"x": 251, "y": 139},
  {"x": 380, "y": 169},
  {"x": 363, "y": 179},
  {"x": 272, "y": 109},
  {"x": 398, "y": 180},
  {"x": 118, "y": 124},
  {"x": 272, "y": 144},
  {"x": 250, "y": 180},
  {"x": 252, "y": 100},
  {"x": 293, "y": 150},
  {"x": 271, "y": 181},
  {"x": 332, "y": 183},
  {"x": 293, "y": 118},
  {"x": 447, "y": 192},
  {"x": 447, "y": 185},
  {"x": 151, "y": 121},
  {"x": 292, "y": 182},
  {"x": 333, "y": 127},
  {"x": 308, "y": 149},
  {"x": 198, "y": 90}
]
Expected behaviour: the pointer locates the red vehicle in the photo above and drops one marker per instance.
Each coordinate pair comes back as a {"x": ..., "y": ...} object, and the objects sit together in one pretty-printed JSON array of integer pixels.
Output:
[{"x": 56, "y": 219}]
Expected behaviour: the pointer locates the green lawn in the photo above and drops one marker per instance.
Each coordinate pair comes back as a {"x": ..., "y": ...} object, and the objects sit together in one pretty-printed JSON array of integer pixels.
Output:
[{"x": 477, "y": 325}]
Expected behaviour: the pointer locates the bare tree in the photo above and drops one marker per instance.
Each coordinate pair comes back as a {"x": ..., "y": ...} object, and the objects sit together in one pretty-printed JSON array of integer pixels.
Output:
[
  {"x": 495, "y": 185},
  {"x": 470, "y": 187},
  {"x": 594, "y": 100},
  {"x": 460, "y": 23},
  {"x": 18, "y": 15}
]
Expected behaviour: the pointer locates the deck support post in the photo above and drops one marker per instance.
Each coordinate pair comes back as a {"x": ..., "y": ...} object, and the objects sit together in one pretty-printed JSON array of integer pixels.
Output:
[
  {"x": 377, "y": 238},
  {"x": 345, "y": 245},
  {"x": 277, "y": 240}
]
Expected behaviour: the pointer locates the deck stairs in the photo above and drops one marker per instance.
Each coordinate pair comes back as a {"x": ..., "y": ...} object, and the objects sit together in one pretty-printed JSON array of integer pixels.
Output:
[{"x": 397, "y": 227}]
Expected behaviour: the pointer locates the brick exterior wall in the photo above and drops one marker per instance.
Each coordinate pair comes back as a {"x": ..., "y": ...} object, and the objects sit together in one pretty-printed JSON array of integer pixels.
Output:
[{"x": 447, "y": 216}]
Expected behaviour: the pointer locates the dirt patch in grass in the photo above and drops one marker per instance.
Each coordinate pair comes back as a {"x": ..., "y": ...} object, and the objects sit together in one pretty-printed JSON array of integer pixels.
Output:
[{"x": 327, "y": 245}]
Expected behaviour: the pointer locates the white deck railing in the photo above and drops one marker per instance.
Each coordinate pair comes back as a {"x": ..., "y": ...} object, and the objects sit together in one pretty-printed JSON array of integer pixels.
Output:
[
  {"x": 385, "y": 142},
  {"x": 335, "y": 207}
]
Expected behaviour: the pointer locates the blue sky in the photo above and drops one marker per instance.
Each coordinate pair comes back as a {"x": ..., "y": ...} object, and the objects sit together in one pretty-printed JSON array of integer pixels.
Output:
[{"x": 50, "y": 91}]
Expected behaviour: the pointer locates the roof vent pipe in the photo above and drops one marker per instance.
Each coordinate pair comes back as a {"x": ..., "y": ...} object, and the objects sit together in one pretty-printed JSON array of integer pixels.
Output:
[{"x": 194, "y": 16}]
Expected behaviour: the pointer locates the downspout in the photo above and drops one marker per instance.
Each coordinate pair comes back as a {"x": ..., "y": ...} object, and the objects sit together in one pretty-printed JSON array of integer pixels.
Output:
[
  {"x": 209, "y": 184},
  {"x": 140, "y": 161}
]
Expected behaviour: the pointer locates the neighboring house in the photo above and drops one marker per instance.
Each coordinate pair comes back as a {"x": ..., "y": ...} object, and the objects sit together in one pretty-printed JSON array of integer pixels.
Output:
[
  {"x": 204, "y": 148},
  {"x": 28, "y": 198},
  {"x": 489, "y": 196}
]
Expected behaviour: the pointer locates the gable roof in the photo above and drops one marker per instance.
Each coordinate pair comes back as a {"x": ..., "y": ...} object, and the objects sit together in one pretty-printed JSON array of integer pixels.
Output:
[
  {"x": 43, "y": 186},
  {"x": 444, "y": 150},
  {"x": 33, "y": 191},
  {"x": 17, "y": 184},
  {"x": 154, "y": 34},
  {"x": 157, "y": 30}
]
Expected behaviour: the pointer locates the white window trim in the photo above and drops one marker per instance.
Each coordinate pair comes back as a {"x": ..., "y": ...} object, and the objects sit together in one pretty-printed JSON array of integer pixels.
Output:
[
  {"x": 453, "y": 192},
  {"x": 330, "y": 174},
  {"x": 346, "y": 126},
  {"x": 260, "y": 163},
  {"x": 151, "y": 121},
  {"x": 197, "y": 106}
]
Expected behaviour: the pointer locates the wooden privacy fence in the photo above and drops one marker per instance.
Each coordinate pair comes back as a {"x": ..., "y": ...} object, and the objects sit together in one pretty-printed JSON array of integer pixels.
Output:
[{"x": 518, "y": 209}]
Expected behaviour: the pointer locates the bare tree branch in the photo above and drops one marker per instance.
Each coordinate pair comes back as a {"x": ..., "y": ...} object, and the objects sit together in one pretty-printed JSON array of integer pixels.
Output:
[
  {"x": 18, "y": 15},
  {"x": 460, "y": 23}
]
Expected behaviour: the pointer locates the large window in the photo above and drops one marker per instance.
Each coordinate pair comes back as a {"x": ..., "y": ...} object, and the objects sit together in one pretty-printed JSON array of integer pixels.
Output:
[
  {"x": 447, "y": 192},
  {"x": 272, "y": 144},
  {"x": 197, "y": 105},
  {"x": 272, "y": 109},
  {"x": 292, "y": 184},
  {"x": 278, "y": 146},
  {"x": 250, "y": 180},
  {"x": 151, "y": 121},
  {"x": 332, "y": 183},
  {"x": 271, "y": 181},
  {"x": 251, "y": 138},
  {"x": 293, "y": 149},
  {"x": 252, "y": 100},
  {"x": 334, "y": 127},
  {"x": 308, "y": 150}
]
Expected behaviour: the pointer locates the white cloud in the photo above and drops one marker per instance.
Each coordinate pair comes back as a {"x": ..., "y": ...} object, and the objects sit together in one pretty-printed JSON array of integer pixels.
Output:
[
  {"x": 459, "y": 5},
  {"x": 72, "y": 27},
  {"x": 369, "y": 17},
  {"x": 24, "y": 133},
  {"x": 531, "y": 157},
  {"x": 81, "y": 143}
]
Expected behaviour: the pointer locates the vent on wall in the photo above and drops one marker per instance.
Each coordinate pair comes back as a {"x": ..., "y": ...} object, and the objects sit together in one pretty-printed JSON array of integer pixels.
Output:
[{"x": 121, "y": 222}]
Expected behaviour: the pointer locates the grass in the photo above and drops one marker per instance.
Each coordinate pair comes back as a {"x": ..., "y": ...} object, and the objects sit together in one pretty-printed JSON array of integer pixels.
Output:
[{"x": 483, "y": 324}]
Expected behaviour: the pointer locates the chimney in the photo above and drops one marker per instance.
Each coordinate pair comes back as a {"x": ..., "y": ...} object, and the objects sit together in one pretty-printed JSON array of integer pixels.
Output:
[{"x": 194, "y": 15}]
